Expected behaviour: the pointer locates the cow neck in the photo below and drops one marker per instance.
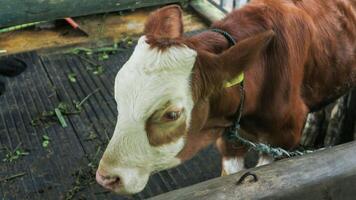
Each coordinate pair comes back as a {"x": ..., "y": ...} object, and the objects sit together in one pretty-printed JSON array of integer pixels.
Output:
[{"x": 239, "y": 80}]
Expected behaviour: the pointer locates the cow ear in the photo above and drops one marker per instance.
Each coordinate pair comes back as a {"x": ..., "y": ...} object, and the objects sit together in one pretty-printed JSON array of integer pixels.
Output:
[
  {"x": 165, "y": 23},
  {"x": 244, "y": 53},
  {"x": 212, "y": 70}
]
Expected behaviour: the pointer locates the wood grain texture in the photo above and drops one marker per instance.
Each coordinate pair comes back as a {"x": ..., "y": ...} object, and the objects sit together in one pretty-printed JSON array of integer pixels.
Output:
[{"x": 327, "y": 174}]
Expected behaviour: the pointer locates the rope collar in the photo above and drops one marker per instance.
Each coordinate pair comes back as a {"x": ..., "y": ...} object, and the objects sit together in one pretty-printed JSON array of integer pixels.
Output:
[
  {"x": 228, "y": 37},
  {"x": 233, "y": 131}
]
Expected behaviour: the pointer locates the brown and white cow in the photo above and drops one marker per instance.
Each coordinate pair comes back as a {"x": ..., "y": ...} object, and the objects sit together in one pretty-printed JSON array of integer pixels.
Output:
[{"x": 296, "y": 56}]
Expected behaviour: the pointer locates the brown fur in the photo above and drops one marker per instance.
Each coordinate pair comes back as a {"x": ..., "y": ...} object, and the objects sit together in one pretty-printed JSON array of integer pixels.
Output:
[
  {"x": 159, "y": 134},
  {"x": 296, "y": 55},
  {"x": 164, "y": 27}
]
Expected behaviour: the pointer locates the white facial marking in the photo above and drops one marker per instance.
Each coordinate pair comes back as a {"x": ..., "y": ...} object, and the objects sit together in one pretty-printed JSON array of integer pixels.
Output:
[
  {"x": 148, "y": 80},
  {"x": 233, "y": 165}
]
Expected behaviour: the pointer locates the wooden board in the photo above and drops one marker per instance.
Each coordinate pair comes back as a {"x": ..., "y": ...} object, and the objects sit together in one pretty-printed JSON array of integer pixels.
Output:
[
  {"x": 103, "y": 29},
  {"x": 327, "y": 174},
  {"x": 207, "y": 10},
  {"x": 14, "y": 12}
]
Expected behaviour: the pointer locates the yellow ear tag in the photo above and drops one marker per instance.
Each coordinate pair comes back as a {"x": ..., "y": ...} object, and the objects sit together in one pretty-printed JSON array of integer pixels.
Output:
[{"x": 238, "y": 79}]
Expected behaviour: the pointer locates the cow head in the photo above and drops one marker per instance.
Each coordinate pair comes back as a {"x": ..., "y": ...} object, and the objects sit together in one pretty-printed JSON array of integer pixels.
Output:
[{"x": 162, "y": 96}]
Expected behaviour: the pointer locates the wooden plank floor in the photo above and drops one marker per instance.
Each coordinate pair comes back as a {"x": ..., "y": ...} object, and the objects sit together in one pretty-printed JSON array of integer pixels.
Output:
[{"x": 64, "y": 169}]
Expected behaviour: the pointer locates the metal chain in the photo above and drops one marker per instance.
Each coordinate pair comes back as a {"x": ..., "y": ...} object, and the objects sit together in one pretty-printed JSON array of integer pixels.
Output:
[
  {"x": 233, "y": 135},
  {"x": 232, "y": 132},
  {"x": 275, "y": 152}
]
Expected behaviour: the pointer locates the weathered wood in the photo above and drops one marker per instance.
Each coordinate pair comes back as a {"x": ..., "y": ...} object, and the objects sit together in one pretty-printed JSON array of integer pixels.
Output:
[
  {"x": 333, "y": 124},
  {"x": 327, "y": 174},
  {"x": 207, "y": 10},
  {"x": 312, "y": 126},
  {"x": 103, "y": 30},
  {"x": 350, "y": 118},
  {"x": 14, "y": 12}
]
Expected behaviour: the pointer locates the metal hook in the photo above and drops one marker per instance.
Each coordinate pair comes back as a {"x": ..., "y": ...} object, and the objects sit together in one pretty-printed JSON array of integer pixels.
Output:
[{"x": 243, "y": 177}]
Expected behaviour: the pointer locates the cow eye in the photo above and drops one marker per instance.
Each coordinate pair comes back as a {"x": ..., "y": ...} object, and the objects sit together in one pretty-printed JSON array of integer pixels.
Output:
[{"x": 172, "y": 115}]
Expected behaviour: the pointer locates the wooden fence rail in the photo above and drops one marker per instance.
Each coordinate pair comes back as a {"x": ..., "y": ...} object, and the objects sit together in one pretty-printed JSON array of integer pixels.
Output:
[{"x": 326, "y": 174}]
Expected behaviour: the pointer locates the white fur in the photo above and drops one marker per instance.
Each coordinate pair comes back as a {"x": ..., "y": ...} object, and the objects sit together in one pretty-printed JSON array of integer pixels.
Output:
[
  {"x": 148, "y": 80},
  {"x": 233, "y": 165},
  {"x": 264, "y": 160},
  {"x": 236, "y": 164}
]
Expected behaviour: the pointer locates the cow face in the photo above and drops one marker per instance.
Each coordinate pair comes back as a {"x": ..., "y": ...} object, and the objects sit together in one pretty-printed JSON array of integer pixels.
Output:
[
  {"x": 154, "y": 103},
  {"x": 161, "y": 94}
]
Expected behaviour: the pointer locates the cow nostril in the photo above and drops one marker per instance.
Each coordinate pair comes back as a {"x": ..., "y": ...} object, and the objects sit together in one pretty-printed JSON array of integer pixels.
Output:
[
  {"x": 114, "y": 181},
  {"x": 108, "y": 181},
  {"x": 111, "y": 182},
  {"x": 112, "y": 178}
]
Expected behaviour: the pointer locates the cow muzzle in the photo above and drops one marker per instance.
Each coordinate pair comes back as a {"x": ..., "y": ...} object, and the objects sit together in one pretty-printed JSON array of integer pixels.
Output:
[
  {"x": 124, "y": 181},
  {"x": 108, "y": 182}
]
